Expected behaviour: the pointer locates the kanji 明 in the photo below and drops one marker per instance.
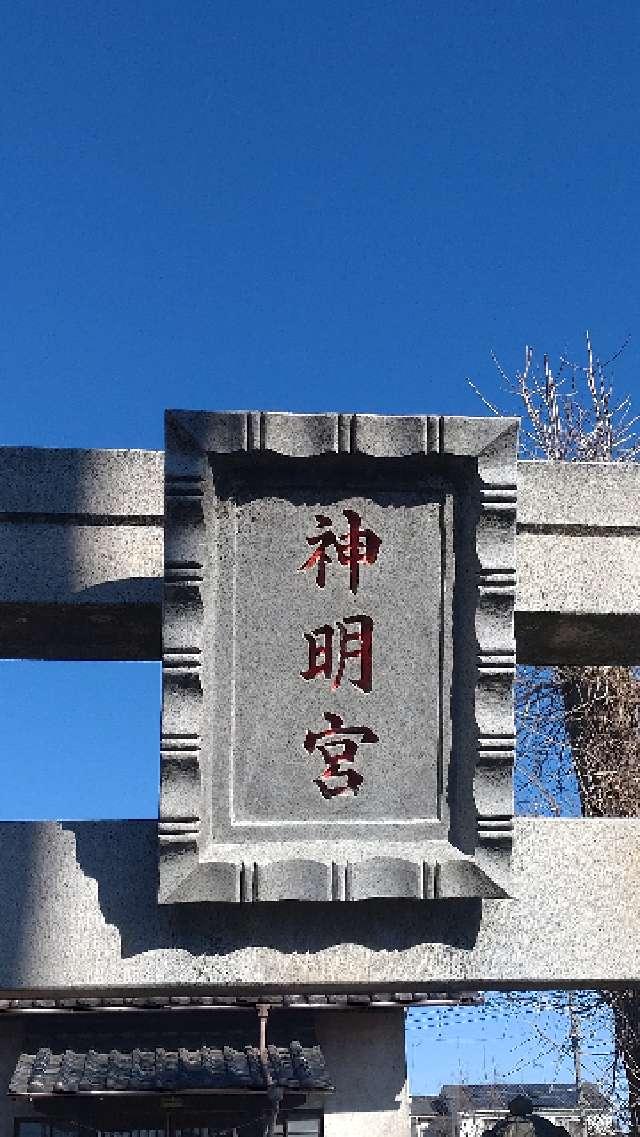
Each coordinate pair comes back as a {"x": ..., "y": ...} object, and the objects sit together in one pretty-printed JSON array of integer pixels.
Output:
[
  {"x": 353, "y": 644},
  {"x": 339, "y": 754},
  {"x": 356, "y": 547}
]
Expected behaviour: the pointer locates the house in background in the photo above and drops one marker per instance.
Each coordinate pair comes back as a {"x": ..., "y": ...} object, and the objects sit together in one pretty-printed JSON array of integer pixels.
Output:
[{"x": 469, "y": 1110}]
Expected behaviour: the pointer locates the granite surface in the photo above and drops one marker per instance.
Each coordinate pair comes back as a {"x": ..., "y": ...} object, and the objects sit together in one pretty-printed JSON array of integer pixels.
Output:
[
  {"x": 578, "y": 549},
  {"x": 338, "y": 657},
  {"x": 578, "y": 542},
  {"x": 81, "y": 540},
  {"x": 80, "y": 916}
]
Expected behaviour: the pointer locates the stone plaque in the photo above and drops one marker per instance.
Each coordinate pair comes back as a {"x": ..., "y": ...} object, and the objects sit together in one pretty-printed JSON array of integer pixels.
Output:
[{"x": 338, "y": 657}]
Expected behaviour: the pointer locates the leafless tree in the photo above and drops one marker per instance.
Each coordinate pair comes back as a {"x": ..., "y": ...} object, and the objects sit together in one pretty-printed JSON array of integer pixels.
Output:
[{"x": 578, "y": 727}]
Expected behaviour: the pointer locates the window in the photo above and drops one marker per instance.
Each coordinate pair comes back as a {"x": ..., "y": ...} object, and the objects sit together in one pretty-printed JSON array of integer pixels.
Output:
[
  {"x": 31, "y": 1128},
  {"x": 300, "y": 1124}
]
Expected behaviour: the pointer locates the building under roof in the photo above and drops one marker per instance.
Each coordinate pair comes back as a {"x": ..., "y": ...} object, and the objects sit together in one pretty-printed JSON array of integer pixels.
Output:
[{"x": 486, "y": 1103}]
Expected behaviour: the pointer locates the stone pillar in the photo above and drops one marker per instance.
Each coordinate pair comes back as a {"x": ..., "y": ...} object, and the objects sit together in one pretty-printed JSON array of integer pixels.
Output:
[{"x": 365, "y": 1056}]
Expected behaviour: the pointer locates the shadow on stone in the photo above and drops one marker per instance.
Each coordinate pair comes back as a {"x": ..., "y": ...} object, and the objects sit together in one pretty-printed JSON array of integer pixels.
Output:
[{"x": 121, "y": 856}]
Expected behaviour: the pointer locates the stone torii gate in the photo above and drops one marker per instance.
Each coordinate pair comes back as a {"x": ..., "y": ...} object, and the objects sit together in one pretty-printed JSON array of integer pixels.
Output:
[{"x": 81, "y": 549}]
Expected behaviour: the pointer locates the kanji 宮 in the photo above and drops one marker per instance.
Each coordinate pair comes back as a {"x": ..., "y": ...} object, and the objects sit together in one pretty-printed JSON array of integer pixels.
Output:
[
  {"x": 356, "y": 547},
  {"x": 354, "y": 642},
  {"x": 338, "y": 747}
]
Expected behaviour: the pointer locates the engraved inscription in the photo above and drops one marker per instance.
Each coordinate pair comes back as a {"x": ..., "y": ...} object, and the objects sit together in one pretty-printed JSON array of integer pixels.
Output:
[{"x": 356, "y": 547}]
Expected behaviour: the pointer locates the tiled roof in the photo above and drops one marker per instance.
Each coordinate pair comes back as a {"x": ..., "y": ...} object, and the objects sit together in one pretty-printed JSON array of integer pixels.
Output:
[
  {"x": 544, "y": 1095},
  {"x": 423, "y": 1105},
  {"x": 161, "y": 1002},
  {"x": 161, "y": 1070}
]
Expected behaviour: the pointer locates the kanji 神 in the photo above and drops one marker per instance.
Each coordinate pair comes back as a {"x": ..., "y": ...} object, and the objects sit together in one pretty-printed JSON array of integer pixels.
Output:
[
  {"x": 339, "y": 775},
  {"x": 355, "y": 641},
  {"x": 356, "y": 547}
]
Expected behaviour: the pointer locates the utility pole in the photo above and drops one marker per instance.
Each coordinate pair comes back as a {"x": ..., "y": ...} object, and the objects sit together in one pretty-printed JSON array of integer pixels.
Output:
[{"x": 575, "y": 1038}]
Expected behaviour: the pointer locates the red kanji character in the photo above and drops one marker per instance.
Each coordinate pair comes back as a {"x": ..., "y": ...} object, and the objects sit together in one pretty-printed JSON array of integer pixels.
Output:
[
  {"x": 320, "y": 643},
  {"x": 338, "y": 753},
  {"x": 356, "y": 547},
  {"x": 355, "y": 644}
]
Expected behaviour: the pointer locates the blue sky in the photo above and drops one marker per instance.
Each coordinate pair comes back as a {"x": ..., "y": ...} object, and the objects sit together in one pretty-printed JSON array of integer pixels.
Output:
[
  {"x": 288, "y": 205},
  {"x": 306, "y": 205},
  {"x": 514, "y": 1038}
]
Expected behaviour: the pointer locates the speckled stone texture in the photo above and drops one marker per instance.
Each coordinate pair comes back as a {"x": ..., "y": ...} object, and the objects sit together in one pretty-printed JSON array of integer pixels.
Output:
[
  {"x": 79, "y": 912},
  {"x": 100, "y": 596},
  {"x": 338, "y": 657},
  {"x": 81, "y": 537},
  {"x": 578, "y": 556}
]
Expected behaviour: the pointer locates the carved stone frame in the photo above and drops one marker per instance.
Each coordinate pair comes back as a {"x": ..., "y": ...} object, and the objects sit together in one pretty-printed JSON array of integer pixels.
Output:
[{"x": 473, "y": 863}]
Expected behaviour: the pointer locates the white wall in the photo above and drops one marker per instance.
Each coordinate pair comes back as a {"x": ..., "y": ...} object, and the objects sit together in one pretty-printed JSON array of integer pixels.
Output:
[{"x": 364, "y": 1052}]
